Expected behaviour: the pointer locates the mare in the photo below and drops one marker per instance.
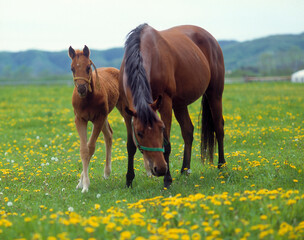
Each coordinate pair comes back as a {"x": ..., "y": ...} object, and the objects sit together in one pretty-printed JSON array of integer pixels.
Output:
[
  {"x": 94, "y": 97},
  {"x": 165, "y": 70}
]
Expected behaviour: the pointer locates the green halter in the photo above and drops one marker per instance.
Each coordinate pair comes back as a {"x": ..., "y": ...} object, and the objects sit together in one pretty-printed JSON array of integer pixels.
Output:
[{"x": 142, "y": 148}]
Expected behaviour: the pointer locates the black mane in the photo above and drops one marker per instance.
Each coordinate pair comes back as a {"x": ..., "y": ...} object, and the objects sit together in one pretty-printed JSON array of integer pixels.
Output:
[{"x": 137, "y": 77}]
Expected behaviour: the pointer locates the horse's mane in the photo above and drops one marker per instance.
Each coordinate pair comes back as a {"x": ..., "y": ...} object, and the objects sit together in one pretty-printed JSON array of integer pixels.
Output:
[{"x": 137, "y": 77}]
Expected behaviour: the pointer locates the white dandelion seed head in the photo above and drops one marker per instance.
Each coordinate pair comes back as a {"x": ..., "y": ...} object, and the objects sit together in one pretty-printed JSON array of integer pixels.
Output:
[
  {"x": 71, "y": 209},
  {"x": 9, "y": 204},
  {"x": 98, "y": 195}
]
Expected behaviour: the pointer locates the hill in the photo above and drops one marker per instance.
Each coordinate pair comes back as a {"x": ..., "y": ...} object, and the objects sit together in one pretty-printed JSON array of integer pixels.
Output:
[
  {"x": 278, "y": 54},
  {"x": 273, "y": 55},
  {"x": 37, "y": 64}
]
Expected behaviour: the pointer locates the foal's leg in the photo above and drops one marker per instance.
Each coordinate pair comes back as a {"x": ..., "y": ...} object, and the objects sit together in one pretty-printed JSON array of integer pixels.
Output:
[
  {"x": 81, "y": 127},
  {"x": 215, "y": 103},
  {"x": 108, "y": 136},
  {"x": 182, "y": 116}
]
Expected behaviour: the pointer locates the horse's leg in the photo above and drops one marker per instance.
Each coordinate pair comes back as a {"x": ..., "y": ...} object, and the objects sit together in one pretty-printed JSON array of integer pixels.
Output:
[
  {"x": 182, "y": 116},
  {"x": 131, "y": 152},
  {"x": 108, "y": 136},
  {"x": 215, "y": 103},
  {"x": 81, "y": 127},
  {"x": 166, "y": 116}
]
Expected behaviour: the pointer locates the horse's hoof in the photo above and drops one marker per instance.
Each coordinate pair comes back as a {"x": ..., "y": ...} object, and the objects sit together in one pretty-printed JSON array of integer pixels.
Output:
[
  {"x": 167, "y": 184},
  {"x": 221, "y": 165},
  {"x": 186, "y": 170},
  {"x": 129, "y": 184}
]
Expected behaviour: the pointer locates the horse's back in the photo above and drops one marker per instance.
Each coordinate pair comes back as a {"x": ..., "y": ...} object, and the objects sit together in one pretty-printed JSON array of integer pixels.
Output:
[
  {"x": 211, "y": 49},
  {"x": 210, "y": 55}
]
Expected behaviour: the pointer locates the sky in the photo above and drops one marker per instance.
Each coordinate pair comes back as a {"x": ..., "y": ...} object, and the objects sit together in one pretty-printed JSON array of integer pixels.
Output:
[{"x": 55, "y": 25}]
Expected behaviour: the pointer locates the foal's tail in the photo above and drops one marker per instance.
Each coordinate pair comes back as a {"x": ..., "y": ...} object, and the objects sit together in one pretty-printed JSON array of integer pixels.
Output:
[{"x": 207, "y": 131}]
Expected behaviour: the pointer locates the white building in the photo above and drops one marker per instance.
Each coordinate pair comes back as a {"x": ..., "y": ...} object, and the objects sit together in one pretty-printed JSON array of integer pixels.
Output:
[{"x": 298, "y": 77}]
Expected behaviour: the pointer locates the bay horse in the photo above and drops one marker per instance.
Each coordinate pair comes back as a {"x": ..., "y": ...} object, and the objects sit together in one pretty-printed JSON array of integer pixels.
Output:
[
  {"x": 165, "y": 70},
  {"x": 94, "y": 97}
]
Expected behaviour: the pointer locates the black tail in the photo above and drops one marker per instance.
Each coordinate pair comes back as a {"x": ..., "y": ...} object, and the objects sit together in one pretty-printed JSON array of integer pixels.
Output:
[
  {"x": 207, "y": 131},
  {"x": 137, "y": 77}
]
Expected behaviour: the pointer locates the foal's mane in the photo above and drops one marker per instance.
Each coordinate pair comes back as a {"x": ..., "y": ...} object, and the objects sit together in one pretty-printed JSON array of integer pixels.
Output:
[{"x": 137, "y": 77}]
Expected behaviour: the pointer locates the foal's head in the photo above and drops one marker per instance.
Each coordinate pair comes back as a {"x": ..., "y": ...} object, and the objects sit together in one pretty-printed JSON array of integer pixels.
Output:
[
  {"x": 149, "y": 139},
  {"x": 82, "y": 71}
]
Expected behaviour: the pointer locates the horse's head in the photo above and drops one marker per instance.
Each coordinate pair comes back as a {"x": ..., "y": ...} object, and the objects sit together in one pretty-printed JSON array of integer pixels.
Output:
[
  {"x": 82, "y": 71},
  {"x": 149, "y": 139}
]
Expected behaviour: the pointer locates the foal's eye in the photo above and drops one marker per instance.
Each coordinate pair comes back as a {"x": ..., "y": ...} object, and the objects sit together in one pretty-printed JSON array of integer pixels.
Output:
[
  {"x": 140, "y": 134},
  {"x": 88, "y": 69},
  {"x": 73, "y": 69}
]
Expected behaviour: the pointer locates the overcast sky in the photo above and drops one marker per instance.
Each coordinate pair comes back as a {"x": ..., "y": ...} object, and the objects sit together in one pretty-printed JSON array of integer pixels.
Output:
[{"x": 101, "y": 24}]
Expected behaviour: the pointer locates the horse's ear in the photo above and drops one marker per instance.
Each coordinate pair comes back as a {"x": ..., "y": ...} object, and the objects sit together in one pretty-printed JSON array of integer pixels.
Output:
[
  {"x": 156, "y": 104},
  {"x": 131, "y": 112},
  {"x": 86, "y": 51},
  {"x": 72, "y": 53}
]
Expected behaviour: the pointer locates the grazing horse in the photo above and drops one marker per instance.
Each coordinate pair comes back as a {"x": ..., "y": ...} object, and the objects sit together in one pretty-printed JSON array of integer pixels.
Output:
[
  {"x": 165, "y": 70},
  {"x": 94, "y": 97}
]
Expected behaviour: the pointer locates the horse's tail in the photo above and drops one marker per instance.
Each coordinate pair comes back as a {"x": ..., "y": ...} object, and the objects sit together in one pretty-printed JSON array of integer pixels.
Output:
[
  {"x": 137, "y": 77},
  {"x": 207, "y": 131}
]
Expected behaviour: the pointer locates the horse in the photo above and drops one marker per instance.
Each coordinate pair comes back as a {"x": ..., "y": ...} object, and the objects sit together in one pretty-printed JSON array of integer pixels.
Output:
[
  {"x": 165, "y": 70},
  {"x": 94, "y": 97}
]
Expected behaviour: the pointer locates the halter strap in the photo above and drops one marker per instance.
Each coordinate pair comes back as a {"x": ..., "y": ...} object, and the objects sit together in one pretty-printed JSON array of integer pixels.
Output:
[
  {"x": 143, "y": 148},
  {"x": 89, "y": 79}
]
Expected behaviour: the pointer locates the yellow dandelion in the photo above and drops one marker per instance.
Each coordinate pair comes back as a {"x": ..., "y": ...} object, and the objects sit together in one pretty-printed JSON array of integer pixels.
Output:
[
  {"x": 125, "y": 235},
  {"x": 263, "y": 217},
  {"x": 196, "y": 236},
  {"x": 89, "y": 229}
]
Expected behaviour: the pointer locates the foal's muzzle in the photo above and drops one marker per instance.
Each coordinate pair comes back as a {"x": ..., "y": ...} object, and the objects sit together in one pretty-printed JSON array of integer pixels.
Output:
[{"x": 82, "y": 90}]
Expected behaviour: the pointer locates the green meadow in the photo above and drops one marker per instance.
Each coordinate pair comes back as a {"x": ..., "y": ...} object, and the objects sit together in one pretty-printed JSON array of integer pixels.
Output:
[{"x": 259, "y": 194}]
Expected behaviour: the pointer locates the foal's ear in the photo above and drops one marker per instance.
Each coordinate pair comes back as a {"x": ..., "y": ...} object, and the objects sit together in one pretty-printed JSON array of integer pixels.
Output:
[
  {"x": 156, "y": 104},
  {"x": 131, "y": 112},
  {"x": 72, "y": 53},
  {"x": 86, "y": 51}
]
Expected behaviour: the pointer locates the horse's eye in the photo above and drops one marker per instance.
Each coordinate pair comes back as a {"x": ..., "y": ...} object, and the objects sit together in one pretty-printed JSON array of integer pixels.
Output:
[
  {"x": 73, "y": 70},
  {"x": 88, "y": 69},
  {"x": 140, "y": 134}
]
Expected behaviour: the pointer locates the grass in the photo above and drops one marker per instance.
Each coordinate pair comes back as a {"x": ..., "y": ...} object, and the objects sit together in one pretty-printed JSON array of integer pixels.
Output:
[{"x": 258, "y": 195}]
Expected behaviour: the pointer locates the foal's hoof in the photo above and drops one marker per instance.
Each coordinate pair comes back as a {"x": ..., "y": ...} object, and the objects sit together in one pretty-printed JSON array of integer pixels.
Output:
[
  {"x": 79, "y": 185},
  {"x": 85, "y": 189}
]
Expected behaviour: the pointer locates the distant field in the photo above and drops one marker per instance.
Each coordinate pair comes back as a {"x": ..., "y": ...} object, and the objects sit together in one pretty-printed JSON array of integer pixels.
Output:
[{"x": 258, "y": 195}]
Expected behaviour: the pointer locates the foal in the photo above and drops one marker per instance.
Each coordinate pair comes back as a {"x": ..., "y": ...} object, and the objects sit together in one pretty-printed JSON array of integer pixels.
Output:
[{"x": 94, "y": 97}]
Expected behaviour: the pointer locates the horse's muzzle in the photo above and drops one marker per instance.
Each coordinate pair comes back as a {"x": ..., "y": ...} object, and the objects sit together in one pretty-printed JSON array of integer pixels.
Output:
[{"x": 159, "y": 171}]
